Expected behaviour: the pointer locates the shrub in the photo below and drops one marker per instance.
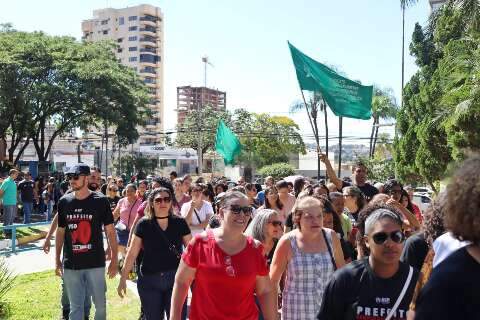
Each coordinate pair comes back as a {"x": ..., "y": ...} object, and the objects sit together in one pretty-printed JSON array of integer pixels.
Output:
[{"x": 277, "y": 170}]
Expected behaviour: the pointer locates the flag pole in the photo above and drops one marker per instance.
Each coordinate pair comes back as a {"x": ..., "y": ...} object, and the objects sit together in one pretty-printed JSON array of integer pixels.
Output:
[{"x": 314, "y": 133}]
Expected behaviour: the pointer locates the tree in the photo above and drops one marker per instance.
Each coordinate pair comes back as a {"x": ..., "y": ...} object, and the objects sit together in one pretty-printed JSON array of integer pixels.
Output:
[
  {"x": 187, "y": 132},
  {"x": 315, "y": 104},
  {"x": 384, "y": 107},
  {"x": 56, "y": 84},
  {"x": 277, "y": 170},
  {"x": 265, "y": 139}
]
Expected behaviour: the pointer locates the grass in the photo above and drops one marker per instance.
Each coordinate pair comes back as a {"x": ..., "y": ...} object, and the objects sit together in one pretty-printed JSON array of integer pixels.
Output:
[
  {"x": 37, "y": 296},
  {"x": 26, "y": 231}
]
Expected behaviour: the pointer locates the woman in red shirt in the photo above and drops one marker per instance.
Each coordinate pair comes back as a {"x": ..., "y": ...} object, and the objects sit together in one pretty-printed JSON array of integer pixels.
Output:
[{"x": 228, "y": 268}]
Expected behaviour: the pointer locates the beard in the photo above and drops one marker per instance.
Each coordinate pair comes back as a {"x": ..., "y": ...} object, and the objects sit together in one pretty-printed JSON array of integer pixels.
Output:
[{"x": 93, "y": 186}]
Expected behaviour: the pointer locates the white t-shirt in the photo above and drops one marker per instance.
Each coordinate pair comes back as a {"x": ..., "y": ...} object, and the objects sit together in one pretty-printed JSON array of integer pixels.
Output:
[
  {"x": 444, "y": 246},
  {"x": 205, "y": 212}
]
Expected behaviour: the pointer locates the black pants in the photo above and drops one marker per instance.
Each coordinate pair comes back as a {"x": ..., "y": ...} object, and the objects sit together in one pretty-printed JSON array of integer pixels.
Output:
[{"x": 155, "y": 292}]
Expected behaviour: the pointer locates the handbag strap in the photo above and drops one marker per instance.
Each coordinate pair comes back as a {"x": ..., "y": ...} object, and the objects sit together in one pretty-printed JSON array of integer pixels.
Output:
[
  {"x": 170, "y": 245},
  {"x": 196, "y": 214},
  {"x": 131, "y": 208},
  {"x": 402, "y": 294},
  {"x": 329, "y": 249}
]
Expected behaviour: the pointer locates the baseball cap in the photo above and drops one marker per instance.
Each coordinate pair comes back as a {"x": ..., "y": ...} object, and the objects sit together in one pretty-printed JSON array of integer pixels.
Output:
[{"x": 79, "y": 169}]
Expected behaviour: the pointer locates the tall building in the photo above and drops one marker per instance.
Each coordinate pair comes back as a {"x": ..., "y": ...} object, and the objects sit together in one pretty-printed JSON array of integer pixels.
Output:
[
  {"x": 138, "y": 31},
  {"x": 436, "y": 4},
  {"x": 190, "y": 98}
]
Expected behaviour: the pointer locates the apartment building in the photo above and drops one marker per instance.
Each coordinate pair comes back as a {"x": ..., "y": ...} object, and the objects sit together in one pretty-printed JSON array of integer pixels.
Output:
[
  {"x": 190, "y": 98},
  {"x": 138, "y": 31}
]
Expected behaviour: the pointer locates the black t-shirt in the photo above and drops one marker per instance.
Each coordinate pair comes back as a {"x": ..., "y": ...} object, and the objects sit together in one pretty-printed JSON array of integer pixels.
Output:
[
  {"x": 26, "y": 190},
  {"x": 415, "y": 250},
  {"x": 355, "y": 292},
  {"x": 157, "y": 257},
  {"x": 83, "y": 221},
  {"x": 453, "y": 290},
  {"x": 367, "y": 189},
  {"x": 113, "y": 202}
]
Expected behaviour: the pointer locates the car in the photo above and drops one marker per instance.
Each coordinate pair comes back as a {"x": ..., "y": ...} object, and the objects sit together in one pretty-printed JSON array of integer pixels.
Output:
[
  {"x": 423, "y": 190},
  {"x": 421, "y": 200}
]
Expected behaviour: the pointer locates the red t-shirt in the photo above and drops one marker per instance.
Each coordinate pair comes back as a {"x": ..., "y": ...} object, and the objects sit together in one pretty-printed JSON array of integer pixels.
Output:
[{"x": 224, "y": 285}]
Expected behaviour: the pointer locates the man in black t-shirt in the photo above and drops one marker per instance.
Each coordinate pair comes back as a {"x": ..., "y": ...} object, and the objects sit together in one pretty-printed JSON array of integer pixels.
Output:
[
  {"x": 374, "y": 287},
  {"x": 81, "y": 216},
  {"x": 25, "y": 187},
  {"x": 359, "y": 178}
]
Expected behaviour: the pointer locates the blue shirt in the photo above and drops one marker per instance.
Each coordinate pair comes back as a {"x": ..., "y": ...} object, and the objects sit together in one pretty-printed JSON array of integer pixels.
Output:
[{"x": 9, "y": 188}]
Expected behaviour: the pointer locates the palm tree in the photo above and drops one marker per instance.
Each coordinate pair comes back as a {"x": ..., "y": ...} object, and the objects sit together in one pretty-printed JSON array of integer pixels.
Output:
[
  {"x": 384, "y": 106},
  {"x": 404, "y": 4},
  {"x": 471, "y": 11},
  {"x": 315, "y": 103}
]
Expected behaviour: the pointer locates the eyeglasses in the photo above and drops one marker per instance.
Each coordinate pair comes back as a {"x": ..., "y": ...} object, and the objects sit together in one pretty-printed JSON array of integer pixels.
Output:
[
  {"x": 110, "y": 189},
  {"x": 382, "y": 237},
  {"x": 236, "y": 209},
  {"x": 161, "y": 200},
  {"x": 228, "y": 266},
  {"x": 276, "y": 223}
]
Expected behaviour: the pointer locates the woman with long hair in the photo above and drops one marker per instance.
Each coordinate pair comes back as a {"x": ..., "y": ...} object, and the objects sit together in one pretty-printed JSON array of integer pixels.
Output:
[
  {"x": 310, "y": 254},
  {"x": 125, "y": 213},
  {"x": 112, "y": 195},
  {"x": 228, "y": 268},
  {"x": 272, "y": 201},
  {"x": 162, "y": 236}
]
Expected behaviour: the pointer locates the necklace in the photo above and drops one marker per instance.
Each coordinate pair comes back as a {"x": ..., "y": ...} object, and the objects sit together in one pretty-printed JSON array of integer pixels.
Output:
[{"x": 166, "y": 217}]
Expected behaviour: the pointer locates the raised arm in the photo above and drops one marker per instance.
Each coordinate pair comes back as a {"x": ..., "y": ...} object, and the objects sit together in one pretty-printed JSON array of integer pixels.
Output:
[{"x": 330, "y": 172}]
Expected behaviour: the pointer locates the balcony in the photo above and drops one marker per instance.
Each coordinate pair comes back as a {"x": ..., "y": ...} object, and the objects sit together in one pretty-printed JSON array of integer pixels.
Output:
[
  {"x": 148, "y": 29},
  {"x": 149, "y": 49},
  {"x": 150, "y": 18},
  {"x": 149, "y": 58},
  {"x": 150, "y": 70},
  {"x": 148, "y": 39}
]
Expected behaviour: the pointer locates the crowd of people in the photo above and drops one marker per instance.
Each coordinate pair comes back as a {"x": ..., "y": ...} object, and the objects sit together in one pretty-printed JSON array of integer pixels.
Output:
[{"x": 347, "y": 249}]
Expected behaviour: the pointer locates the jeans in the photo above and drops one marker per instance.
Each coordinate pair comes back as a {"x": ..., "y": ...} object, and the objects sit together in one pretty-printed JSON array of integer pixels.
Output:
[
  {"x": 50, "y": 205},
  {"x": 27, "y": 211},
  {"x": 9, "y": 213},
  {"x": 155, "y": 291},
  {"x": 78, "y": 283},
  {"x": 66, "y": 303}
]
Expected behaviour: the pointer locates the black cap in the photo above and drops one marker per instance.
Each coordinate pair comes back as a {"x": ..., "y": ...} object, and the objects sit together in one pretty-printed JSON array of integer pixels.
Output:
[{"x": 79, "y": 169}]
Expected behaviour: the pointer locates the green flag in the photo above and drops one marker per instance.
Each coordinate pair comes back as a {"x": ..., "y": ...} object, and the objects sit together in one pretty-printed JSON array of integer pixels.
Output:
[
  {"x": 227, "y": 143},
  {"x": 345, "y": 97}
]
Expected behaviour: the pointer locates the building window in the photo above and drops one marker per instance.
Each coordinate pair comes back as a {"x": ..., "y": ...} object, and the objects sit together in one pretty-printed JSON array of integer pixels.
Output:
[
  {"x": 132, "y": 28},
  {"x": 121, "y": 20},
  {"x": 105, "y": 31},
  {"x": 119, "y": 50},
  {"x": 149, "y": 58},
  {"x": 132, "y": 59},
  {"x": 133, "y": 38},
  {"x": 120, "y": 40},
  {"x": 104, "y": 22},
  {"x": 132, "y": 48},
  {"x": 132, "y": 18},
  {"x": 149, "y": 80}
]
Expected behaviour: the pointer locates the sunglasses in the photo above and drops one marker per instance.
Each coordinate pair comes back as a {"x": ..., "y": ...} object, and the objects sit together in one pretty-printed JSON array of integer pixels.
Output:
[
  {"x": 382, "y": 237},
  {"x": 235, "y": 209},
  {"x": 110, "y": 189},
  {"x": 73, "y": 177},
  {"x": 161, "y": 200},
  {"x": 276, "y": 223}
]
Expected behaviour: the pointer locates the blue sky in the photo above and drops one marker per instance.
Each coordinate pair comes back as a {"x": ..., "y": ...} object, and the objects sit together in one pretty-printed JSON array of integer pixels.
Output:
[{"x": 247, "y": 43}]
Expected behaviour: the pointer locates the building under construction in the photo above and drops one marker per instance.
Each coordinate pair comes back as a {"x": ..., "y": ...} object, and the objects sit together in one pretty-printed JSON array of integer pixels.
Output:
[{"x": 189, "y": 99}]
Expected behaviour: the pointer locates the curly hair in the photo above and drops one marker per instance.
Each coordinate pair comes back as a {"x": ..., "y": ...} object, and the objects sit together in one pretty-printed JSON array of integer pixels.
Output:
[
  {"x": 433, "y": 219},
  {"x": 462, "y": 207}
]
